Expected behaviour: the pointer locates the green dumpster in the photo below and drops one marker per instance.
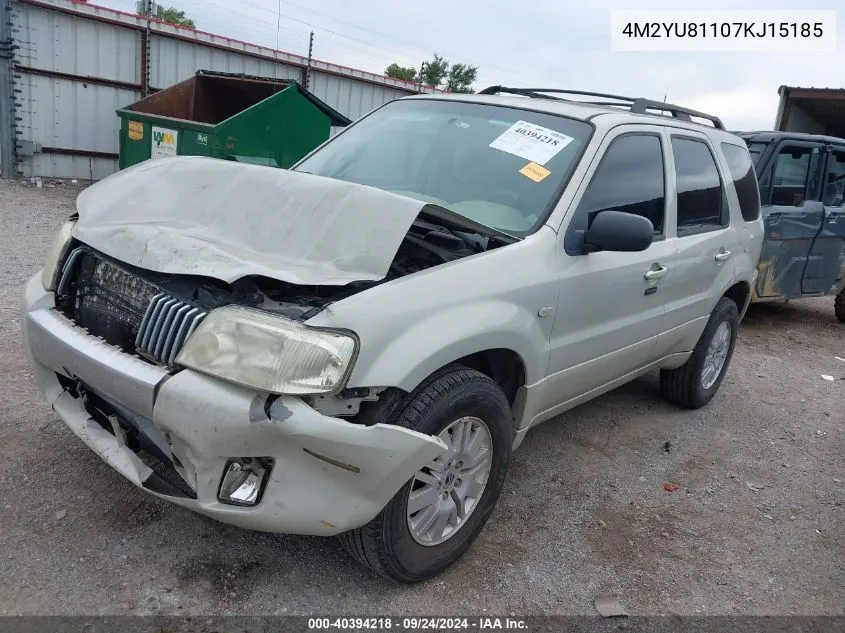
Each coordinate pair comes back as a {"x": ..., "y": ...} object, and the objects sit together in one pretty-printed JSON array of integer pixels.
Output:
[{"x": 258, "y": 120}]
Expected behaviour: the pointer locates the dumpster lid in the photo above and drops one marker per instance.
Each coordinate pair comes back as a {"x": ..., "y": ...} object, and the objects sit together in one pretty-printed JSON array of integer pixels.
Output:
[
  {"x": 336, "y": 118},
  {"x": 227, "y": 220}
]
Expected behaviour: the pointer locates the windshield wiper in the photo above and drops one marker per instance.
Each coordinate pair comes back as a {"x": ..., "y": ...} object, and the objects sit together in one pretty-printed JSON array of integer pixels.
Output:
[{"x": 457, "y": 222}]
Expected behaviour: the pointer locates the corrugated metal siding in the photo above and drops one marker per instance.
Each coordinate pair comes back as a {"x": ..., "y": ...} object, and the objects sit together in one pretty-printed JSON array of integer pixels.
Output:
[
  {"x": 349, "y": 97},
  {"x": 174, "y": 60},
  {"x": 64, "y": 43},
  {"x": 74, "y": 114},
  {"x": 69, "y": 114},
  {"x": 60, "y": 166}
]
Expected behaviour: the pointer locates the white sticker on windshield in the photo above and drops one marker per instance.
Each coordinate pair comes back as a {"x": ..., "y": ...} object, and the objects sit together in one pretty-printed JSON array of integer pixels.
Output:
[{"x": 531, "y": 142}]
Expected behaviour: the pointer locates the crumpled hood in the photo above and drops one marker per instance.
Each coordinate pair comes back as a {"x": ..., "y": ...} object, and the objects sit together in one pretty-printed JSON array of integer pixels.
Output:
[{"x": 227, "y": 220}]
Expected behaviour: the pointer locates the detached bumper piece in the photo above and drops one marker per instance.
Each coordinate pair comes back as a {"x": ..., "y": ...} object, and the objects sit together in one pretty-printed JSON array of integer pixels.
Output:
[{"x": 139, "y": 436}]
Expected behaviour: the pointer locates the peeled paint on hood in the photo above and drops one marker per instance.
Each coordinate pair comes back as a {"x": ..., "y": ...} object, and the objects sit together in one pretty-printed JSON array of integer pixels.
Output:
[{"x": 228, "y": 220}]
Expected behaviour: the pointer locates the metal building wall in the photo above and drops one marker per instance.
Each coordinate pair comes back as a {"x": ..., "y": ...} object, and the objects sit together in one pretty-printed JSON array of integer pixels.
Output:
[
  {"x": 351, "y": 98},
  {"x": 173, "y": 61},
  {"x": 78, "y": 63}
]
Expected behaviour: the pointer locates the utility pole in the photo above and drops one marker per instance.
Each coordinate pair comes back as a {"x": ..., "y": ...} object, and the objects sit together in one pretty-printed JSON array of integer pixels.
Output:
[
  {"x": 7, "y": 96},
  {"x": 145, "y": 80},
  {"x": 308, "y": 66}
]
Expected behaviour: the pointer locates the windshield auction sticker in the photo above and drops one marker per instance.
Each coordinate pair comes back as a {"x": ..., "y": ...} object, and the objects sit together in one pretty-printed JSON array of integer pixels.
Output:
[
  {"x": 532, "y": 142},
  {"x": 534, "y": 172}
]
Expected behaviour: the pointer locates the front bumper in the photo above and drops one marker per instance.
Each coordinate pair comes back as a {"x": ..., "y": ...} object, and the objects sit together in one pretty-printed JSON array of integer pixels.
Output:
[{"x": 329, "y": 475}]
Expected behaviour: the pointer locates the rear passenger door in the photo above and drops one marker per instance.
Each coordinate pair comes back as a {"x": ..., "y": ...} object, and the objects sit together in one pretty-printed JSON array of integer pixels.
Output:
[
  {"x": 826, "y": 262},
  {"x": 704, "y": 243},
  {"x": 792, "y": 215}
]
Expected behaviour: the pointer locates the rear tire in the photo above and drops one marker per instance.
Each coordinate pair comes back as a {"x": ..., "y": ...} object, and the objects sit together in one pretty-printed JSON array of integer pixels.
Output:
[
  {"x": 693, "y": 384},
  {"x": 839, "y": 306},
  {"x": 386, "y": 544}
]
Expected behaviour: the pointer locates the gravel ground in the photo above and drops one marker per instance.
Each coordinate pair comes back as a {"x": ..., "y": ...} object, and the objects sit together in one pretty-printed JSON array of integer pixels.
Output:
[{"x": 755, "y": 528}]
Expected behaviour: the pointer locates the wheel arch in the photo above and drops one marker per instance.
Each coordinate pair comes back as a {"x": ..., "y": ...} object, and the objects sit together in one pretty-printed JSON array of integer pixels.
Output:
[{"x": 740, "y": 294}]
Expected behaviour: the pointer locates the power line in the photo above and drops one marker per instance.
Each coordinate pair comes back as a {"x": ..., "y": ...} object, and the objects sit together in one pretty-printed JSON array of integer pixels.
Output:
[
  {"x": 395, "y": 39},
  {"x": 386, "y": 51}
]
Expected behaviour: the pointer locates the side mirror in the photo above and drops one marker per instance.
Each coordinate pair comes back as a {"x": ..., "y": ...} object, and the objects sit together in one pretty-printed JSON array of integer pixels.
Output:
[{"x": 618, "y": 231}]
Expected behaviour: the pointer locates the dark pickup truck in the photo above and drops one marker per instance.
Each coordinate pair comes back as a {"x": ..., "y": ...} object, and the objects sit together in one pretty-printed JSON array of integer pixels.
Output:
[{"x": 802, "y": 192}]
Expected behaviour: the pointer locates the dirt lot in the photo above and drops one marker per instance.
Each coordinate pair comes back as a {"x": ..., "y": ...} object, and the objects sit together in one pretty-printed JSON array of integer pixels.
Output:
[{"x": 757, "y": 526}]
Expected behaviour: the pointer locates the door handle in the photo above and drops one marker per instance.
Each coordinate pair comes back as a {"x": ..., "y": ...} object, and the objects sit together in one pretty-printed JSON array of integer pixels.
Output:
[
  {"x": 723, "y": 255},
  {"x": 656, "y": 273}
]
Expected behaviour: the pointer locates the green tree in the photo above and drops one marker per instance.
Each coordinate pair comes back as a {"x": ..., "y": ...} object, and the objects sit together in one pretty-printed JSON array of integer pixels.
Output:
[
  {"x": 434, "y": 71},
  {"x": 174, "y": 16},
  {"x": 401, "y": 72},
  {"x": 461, "y": 78}
]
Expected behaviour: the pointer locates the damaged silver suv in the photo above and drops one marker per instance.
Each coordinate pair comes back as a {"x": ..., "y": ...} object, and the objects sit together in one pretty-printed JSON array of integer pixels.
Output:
[{"x": 356, "y": 345}]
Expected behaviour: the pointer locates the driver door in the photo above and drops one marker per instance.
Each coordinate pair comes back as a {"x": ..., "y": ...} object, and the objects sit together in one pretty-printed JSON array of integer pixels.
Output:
[{"x": 611, "y": 308}]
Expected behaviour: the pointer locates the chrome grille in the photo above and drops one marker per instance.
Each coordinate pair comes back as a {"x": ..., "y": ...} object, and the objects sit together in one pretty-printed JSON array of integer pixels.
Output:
[{"x": 167, "y": 324}]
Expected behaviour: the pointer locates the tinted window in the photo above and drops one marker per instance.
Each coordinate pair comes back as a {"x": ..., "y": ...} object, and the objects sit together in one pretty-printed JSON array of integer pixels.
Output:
[
  {"x": 833, "y": 194},
  {"x": 499, "y": 166},
  {"x": 791, "y": 176},
  {"x": 630, "y": 179},
  {"x": 700, "y": 194},
  {"x": 745, "y": 182}
]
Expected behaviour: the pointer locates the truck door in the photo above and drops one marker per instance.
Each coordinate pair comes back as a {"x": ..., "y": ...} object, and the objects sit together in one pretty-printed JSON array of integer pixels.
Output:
[
  {"x": 826, "y": 263},
  {"x": 792, "y": 215}
]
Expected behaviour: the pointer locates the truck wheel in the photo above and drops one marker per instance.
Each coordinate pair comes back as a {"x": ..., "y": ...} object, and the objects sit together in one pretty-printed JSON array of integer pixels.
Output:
[
  {"x": 694, "y": 383},
  {"x": 436, "y": 515},
  {"x": 839, "y": 306}
]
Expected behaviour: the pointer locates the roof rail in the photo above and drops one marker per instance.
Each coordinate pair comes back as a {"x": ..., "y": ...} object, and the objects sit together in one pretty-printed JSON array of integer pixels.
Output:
[{"x": 637, "y": 105}]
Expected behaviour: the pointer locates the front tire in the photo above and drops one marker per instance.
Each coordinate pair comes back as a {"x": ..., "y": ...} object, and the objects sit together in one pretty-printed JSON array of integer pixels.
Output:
[
  {"x": 694, "y": 383},
  {"x": 437, "y": 515}
]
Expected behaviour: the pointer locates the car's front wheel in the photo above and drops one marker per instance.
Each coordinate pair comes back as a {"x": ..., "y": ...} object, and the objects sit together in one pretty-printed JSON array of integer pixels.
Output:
[
  {"x": 436, "y": 515},
  {"x": 694, "y": 383}
]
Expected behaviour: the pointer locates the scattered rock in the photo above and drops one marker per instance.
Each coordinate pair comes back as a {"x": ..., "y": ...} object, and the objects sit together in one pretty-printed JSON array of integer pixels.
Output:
[
  {"x": 670, "y": 486},
  {"x": 609, "y": 606},
  {"x": 753, "y": 487},
  {"x": 61, "y": 514}
]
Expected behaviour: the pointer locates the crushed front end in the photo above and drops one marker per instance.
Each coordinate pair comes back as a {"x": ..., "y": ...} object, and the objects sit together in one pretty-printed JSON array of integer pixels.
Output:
[{"x": 104, "y": 341}]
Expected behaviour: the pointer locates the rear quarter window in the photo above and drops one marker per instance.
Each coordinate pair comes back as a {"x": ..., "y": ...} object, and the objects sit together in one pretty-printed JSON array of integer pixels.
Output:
[{"x": 744, "y": 179}]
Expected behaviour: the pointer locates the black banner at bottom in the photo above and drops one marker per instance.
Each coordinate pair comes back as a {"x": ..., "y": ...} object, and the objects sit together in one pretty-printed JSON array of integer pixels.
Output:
[{"x": 365, "y": 624}]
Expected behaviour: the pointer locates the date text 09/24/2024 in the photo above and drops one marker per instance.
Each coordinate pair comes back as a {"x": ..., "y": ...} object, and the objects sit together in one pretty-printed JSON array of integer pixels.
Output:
[{"x": 417, "y": 623}]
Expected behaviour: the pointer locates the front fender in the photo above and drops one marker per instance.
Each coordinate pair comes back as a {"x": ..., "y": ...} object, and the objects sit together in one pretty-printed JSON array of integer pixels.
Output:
[{"x": 418, "y": 350}]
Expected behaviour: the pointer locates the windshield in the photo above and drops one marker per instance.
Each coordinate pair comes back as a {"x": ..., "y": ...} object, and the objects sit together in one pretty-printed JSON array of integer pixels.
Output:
[
  {"x": 756, "y": 151},
  {"x": 499, "y": 166}
]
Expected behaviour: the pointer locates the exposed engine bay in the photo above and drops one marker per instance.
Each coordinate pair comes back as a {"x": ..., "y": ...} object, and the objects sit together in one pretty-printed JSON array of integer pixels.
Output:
[
  {"x": 426, "y": 245},
  {"x": 152, "y": 314}
]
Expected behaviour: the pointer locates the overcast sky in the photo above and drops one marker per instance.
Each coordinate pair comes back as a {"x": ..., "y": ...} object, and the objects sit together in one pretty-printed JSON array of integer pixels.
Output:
[{"x": 556, "y": 43}]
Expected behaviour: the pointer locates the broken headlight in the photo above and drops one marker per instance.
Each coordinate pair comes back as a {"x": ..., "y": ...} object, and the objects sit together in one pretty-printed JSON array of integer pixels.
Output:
[
  {"x": 269, "y": 353},
  {"x": 56, "y": 255}
]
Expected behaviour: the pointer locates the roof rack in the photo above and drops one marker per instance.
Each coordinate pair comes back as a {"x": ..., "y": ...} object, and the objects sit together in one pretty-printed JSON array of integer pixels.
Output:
[{"x": 637, "y": 105}]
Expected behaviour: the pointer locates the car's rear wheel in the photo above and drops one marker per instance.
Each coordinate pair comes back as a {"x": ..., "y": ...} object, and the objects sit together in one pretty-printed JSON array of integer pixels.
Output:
[
  {"x": 694, "y": 383},
  {"x": 436, "y": 515},
  {"x": 839, "y": 306}
]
